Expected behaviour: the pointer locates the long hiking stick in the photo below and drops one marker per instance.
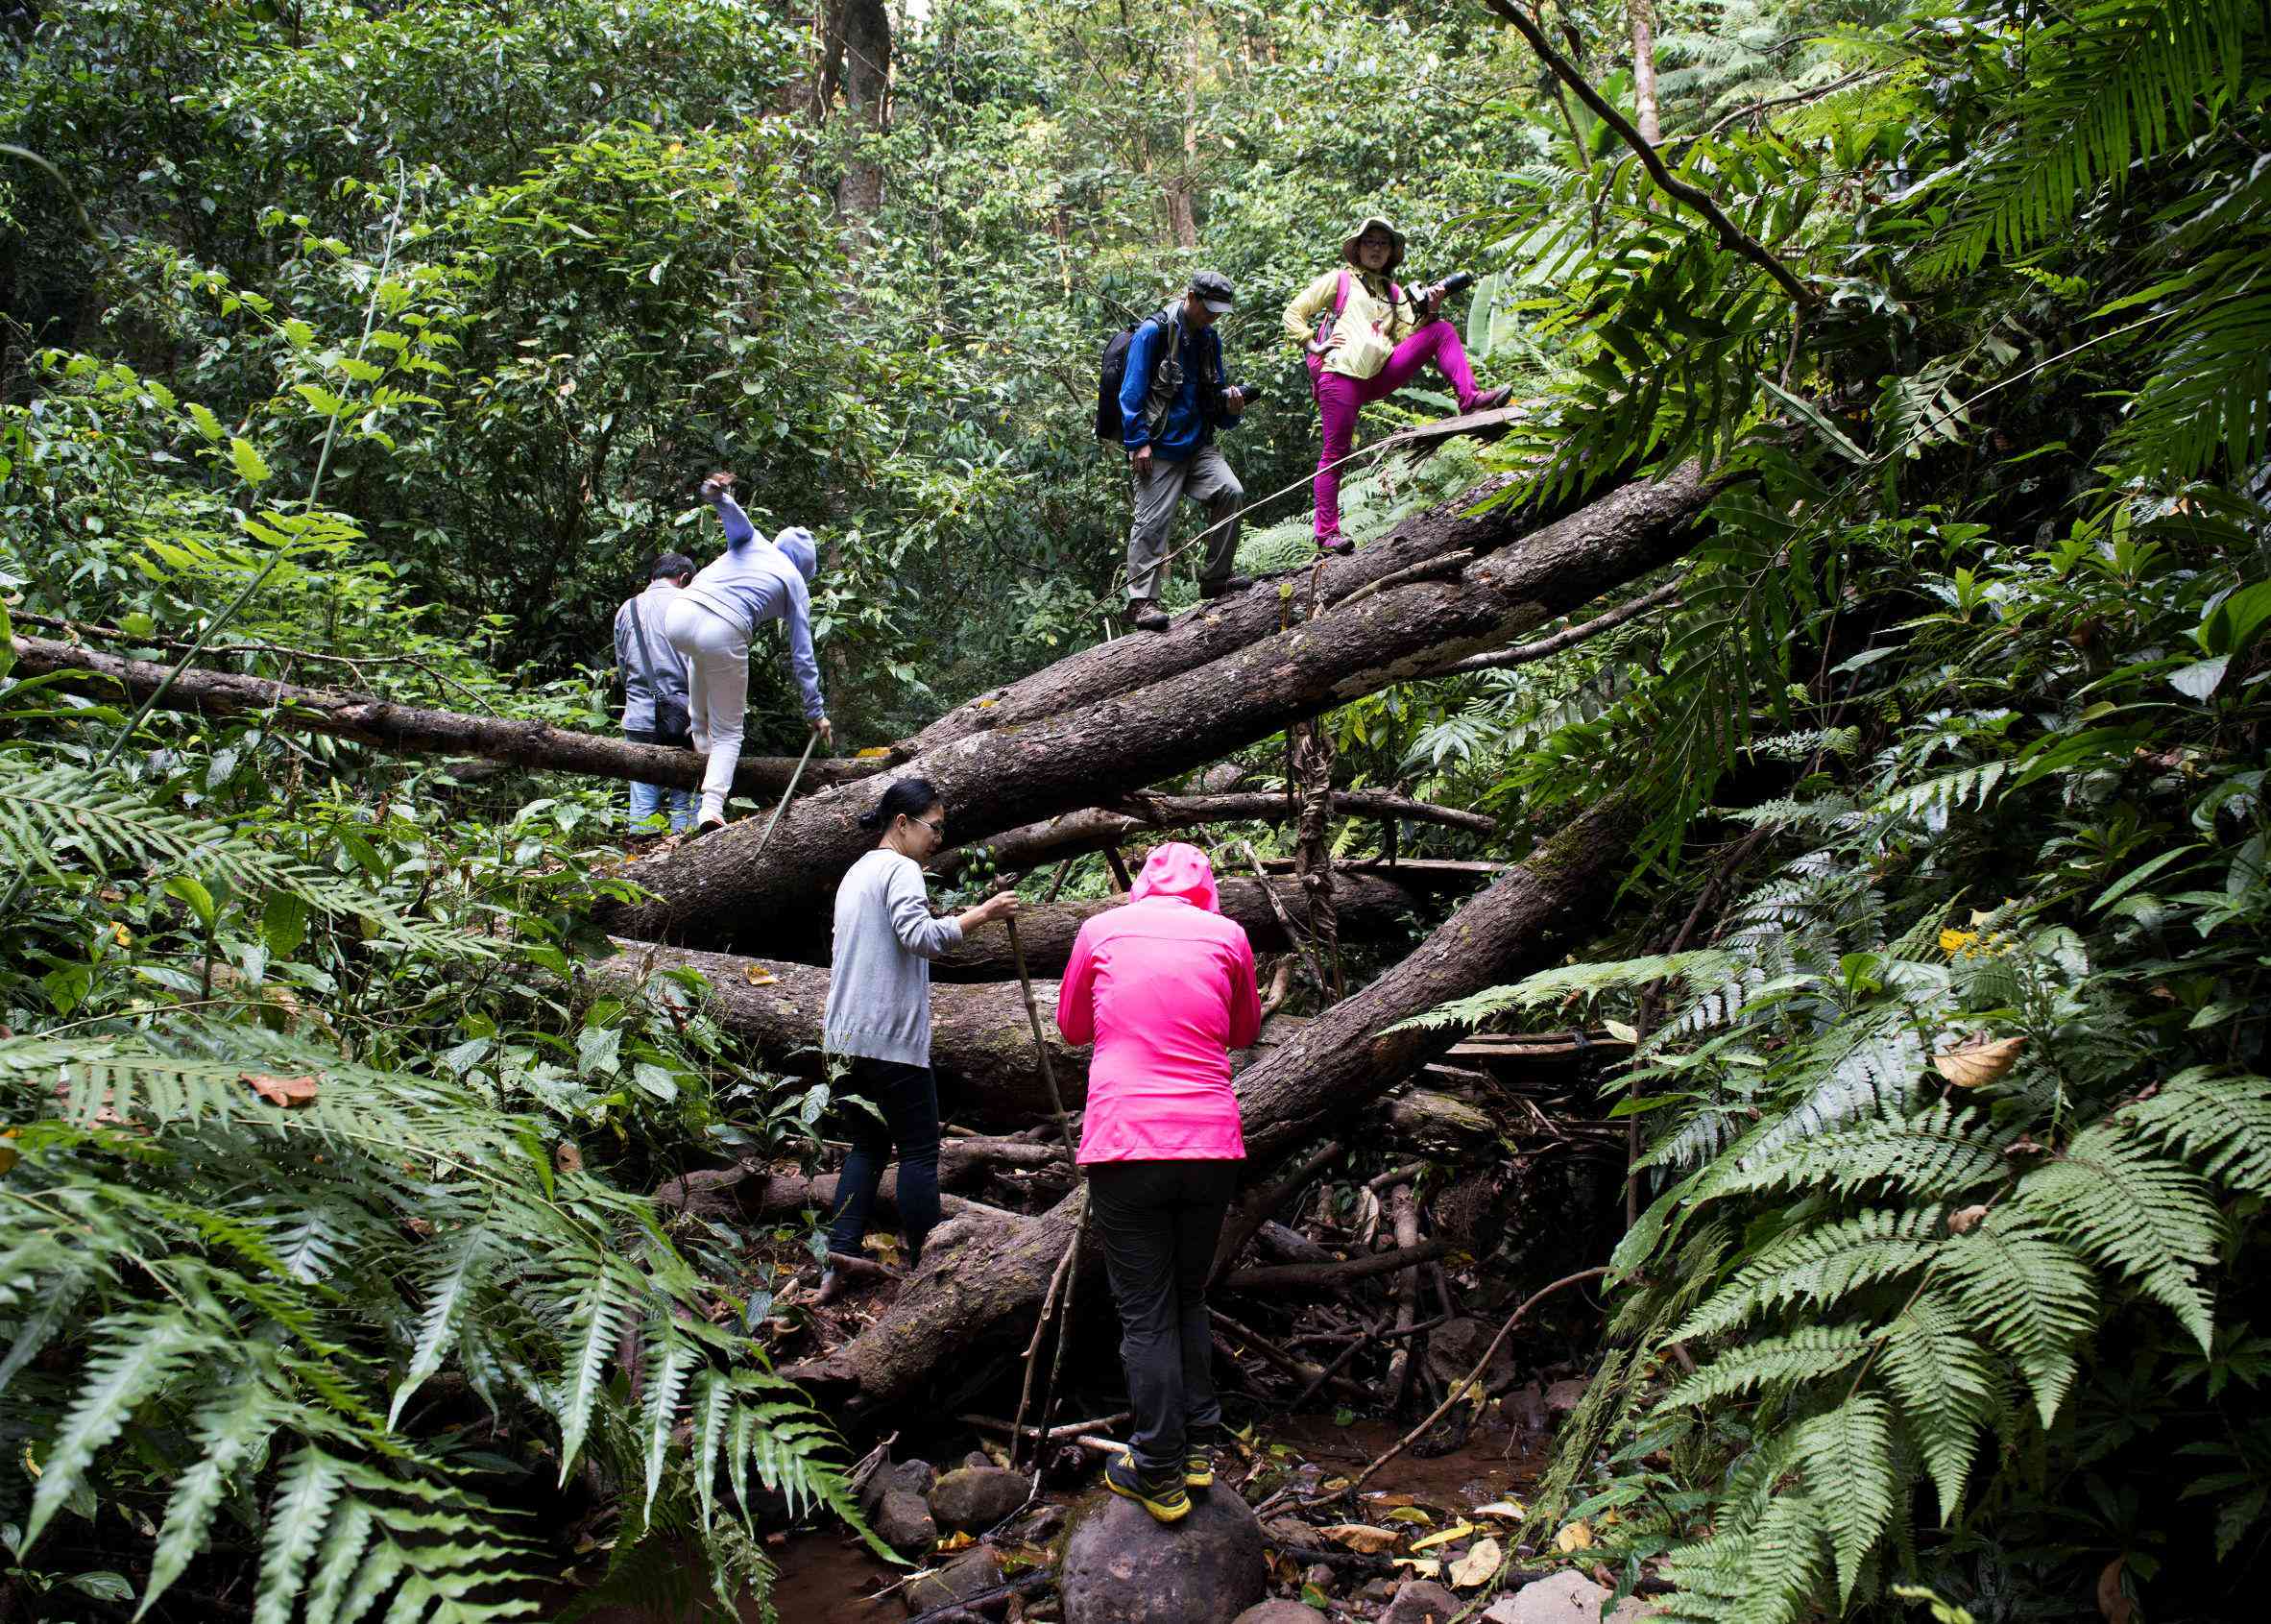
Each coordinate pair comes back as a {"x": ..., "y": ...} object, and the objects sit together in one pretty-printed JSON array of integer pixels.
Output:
[
  {"x": 1071, "y": 1264},
  {"x": 774, "y": 821}
]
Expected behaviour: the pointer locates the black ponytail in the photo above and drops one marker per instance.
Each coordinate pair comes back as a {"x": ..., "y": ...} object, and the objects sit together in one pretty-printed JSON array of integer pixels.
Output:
[{"x": 907, "y": 798}]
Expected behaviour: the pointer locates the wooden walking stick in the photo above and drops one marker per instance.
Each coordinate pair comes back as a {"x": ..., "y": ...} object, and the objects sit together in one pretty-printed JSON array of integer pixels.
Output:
[
  {"x": 772, "y": 822},
  {"x": 1069, "y": 1268}
]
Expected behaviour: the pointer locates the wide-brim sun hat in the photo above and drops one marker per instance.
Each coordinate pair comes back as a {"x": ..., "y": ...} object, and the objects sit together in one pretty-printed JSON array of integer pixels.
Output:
[{"x": 1348, "y": 243}]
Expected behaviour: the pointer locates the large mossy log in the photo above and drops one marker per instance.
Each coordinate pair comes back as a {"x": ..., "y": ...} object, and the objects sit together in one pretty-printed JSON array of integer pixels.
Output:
[
  {"x": 365, "y": 718},
  {"x": 1009, "y": 776},
  {"x": 981, "y": 1283}
]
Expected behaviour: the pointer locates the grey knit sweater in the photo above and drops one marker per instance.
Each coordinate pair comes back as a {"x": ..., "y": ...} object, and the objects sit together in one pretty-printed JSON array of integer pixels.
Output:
[{"x": 878, "y": 987}]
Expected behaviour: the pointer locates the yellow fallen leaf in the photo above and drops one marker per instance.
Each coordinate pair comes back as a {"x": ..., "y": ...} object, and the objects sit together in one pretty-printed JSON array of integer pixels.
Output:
[
  {"x": 1977, "y": 1059},
  {"x": 957, "y": 1542},
  {"x": 757, "y": 977},
  {"x": 1577, "y": 1537},
  {"x": 1427, "y": 1567},
  {"x": 1480, "y": 1565},
  {"x": 8, "y": 1152},
  {"x": 1410, "y": 1514},
  {"x": 1443, "y": 1537},
  {"x": 1363, "y": 1538},
  {"x": 1510, "y": 1510},
  {"x": 289, "y": 1092},
  {"x": 875, "y": 752}
]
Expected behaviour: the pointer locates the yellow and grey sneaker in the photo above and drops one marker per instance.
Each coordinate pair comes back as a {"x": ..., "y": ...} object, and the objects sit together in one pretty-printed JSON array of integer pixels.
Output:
[
  {"x": 1199, "y": 1461},
  {"x": 1162, "y": 1495}
]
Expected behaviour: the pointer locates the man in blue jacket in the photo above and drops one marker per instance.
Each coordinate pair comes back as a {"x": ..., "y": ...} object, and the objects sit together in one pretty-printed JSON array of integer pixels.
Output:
[{"x": 1173, "y": 397}]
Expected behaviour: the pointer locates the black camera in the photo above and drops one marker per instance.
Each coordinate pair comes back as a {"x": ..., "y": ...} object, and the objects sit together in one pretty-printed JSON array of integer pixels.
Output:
[
  {"x": 1252, "y": 392},
  {"x": 1457, "y": 282}
]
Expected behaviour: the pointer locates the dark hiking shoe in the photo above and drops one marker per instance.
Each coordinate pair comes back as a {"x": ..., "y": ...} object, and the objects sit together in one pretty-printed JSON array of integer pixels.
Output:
[
  {"x": 1228, "y": 584},
  {"x": 1199, "y": 1468},
  {"x": 1491, "y": 400},
  {"x": 1336, "y": 544},
  {"x": 1147, "y": 616},
  {"x": 706, "y": 826},
  {"x": 1164, "y": 1497}
]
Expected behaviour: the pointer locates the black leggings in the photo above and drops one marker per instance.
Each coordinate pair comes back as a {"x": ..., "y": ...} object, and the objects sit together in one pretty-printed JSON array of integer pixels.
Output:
[
  {"x": 908, "y": 1100},
  {"x": 1158, "y": 1222}
]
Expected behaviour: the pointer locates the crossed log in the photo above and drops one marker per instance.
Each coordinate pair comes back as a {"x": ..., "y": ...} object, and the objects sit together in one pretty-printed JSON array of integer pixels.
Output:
[{"x": 1005, "y": 776}]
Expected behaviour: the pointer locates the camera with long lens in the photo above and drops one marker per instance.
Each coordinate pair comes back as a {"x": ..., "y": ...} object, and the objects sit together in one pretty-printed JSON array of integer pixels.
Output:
[
  {"x": 1457, "y": 282},
  {"x": 1252, "y": 392}
]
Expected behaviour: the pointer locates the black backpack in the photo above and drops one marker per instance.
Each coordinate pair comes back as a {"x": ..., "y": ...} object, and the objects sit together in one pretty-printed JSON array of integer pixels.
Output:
[{"x": 1109, "y": 425}]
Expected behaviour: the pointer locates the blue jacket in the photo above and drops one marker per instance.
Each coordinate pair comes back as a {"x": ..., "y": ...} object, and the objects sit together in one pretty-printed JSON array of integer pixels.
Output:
[{"x": 1188, "y": 425}]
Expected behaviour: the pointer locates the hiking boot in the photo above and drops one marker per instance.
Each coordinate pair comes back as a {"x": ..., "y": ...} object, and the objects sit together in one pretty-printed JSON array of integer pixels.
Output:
[
  {"x": 1163, "y": 1495},
  {"x": 1227, "y": 584},
  {"x": 1491, "y": 400},
  {"x": 1336, "y": 544},
  {"x": 707, "y": 825},
  {"x": 1147, "y": 616}
]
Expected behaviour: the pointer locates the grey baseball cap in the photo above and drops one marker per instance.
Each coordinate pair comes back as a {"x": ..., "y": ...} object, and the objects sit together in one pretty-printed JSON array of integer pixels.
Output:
[{"x": 1214, "y": 291}]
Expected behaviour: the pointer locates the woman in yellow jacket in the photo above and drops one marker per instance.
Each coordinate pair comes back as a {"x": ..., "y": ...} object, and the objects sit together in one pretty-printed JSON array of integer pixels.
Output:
[{"x": 1365, "y": 338}]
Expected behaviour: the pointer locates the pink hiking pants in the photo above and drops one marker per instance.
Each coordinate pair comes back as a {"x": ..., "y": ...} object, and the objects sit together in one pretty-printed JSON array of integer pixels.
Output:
[{"x": 1338, "y": 399}]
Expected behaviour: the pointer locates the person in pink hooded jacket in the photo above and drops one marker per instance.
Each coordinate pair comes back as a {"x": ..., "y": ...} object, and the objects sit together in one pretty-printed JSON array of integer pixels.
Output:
[{"x": 1164, "y": 987}]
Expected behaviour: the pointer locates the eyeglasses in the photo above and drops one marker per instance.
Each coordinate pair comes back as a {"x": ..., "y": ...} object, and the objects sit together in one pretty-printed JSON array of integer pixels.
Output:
[{"x": 938, "y": 828}]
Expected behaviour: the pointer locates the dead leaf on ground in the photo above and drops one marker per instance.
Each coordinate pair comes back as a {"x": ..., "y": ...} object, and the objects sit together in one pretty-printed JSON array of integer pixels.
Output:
[
  {"x": 1577, "y": 1537},
  {"x": 1978, "y": 1060},
  {"x": 1410, "y": 1514},
  {"x": 1510, "y": 1510},
  {"x": 568, "y": 1157},
  {"x": 1362, "y": 1538},
  {"x": 289, "y": 1092},
  {"x": 1966, "y": 1220},
  {"x": 2112, "y": 1600},
  {"x": 1478, "y": 1566},
  {"x": 757, "y": 978},
  {"x": 1457, "y": 1531}
]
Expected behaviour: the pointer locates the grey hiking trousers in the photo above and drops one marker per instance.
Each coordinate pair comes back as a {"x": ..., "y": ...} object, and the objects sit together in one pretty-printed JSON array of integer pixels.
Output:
[{"x": 1205, "y": 477}]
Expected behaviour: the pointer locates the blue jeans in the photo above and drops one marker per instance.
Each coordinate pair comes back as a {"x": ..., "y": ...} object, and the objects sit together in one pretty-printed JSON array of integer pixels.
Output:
[{"x": 648, "y": 799}]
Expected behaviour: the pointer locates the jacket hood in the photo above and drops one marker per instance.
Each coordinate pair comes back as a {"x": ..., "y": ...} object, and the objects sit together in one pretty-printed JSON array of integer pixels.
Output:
[
  {"x": 1349, "y": 242},
  {"x": 797, "y": 543},
  {"x": 1177, "y": 869}
]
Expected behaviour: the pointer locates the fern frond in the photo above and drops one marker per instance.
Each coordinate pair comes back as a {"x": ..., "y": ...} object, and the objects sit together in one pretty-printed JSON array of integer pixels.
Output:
[
  {"x": 1768, "y": 1573},
  {"x": 1936, "y": 1153},
  {"x": 1945, "y": 1386},
  {"x": 1820, "y": 1265},
  {"x": 2146, "y": 1216},
  {"x": 1877, "y": 1072},
  {"x": 1847, "y": 1455},
  {"x": 2032, "y": 1294},
  {"x": 335, "y": 1565},
  {"x": 1773, "y": 1362},
  {"x": 138, "y": 1354},
  {"x": 230, "y": 1431},
  {"x": 305, "y": 1492},
  {"x": 48, "y": 810},
  {"x": 446, "y": 1287},
  {"x": 2225, "y": 1122},
  {"x": 665, "y": 1385}
]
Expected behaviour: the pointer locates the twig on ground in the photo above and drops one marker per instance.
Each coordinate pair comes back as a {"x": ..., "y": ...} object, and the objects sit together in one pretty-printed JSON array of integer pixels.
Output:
[{"x": 1460, "y": 1388}]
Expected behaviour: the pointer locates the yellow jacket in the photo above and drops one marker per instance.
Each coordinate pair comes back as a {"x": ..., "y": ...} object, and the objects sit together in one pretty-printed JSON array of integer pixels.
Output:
[{"x": 1373, "y": 325}]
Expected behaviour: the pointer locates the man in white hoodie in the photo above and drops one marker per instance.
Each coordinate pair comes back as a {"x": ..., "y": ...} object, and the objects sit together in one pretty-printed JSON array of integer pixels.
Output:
[{"x": 712, "y": 622}]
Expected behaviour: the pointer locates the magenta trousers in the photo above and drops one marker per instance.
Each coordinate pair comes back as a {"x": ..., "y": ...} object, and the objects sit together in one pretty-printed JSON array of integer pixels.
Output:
[{"x": 1338, "y": 399}]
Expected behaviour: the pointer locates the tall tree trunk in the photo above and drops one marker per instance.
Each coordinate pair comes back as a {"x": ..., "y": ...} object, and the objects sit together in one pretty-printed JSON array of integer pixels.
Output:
[
  {"x": 1001, "y": 779},
  {"x": 859, "y": 51},
  {"x": 1311, "y": 748},
  {"x": 1641, "y": 13}
]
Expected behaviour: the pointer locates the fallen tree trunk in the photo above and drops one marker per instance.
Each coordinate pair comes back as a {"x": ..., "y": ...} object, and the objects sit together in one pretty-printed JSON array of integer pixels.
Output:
[
  {"x": 1342, "y": 1272},
  {"x": 1092, "y": 829},
  {"x": 997, "y": 780},
  {"x": 991, "y": 1278},
  {"x": 1372, "y": 906},
  {"x": 981, "y": 1043},
  {"x": 409, "y": 729},
  {"x": 1222, "y": 625}
]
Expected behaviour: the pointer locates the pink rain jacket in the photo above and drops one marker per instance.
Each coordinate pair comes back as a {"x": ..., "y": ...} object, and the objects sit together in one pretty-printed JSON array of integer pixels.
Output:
[{"x": 1164, "y": 987}]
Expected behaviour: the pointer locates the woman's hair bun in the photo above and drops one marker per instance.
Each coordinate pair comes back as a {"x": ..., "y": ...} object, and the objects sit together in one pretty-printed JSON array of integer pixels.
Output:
[{"x": 871, "y": 818}]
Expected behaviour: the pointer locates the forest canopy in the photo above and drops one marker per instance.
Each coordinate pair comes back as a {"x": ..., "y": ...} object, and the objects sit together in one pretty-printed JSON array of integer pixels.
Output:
[{"x": 378, "y": 346}]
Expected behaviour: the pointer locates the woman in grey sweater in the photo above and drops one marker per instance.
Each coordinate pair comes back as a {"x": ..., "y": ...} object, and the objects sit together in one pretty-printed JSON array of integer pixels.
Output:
[{"x": 878, "y": 1014}]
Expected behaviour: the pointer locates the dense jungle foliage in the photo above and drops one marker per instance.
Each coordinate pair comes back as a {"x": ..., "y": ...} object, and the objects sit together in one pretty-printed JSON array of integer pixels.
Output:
[{"x": 380, "y": 345}]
